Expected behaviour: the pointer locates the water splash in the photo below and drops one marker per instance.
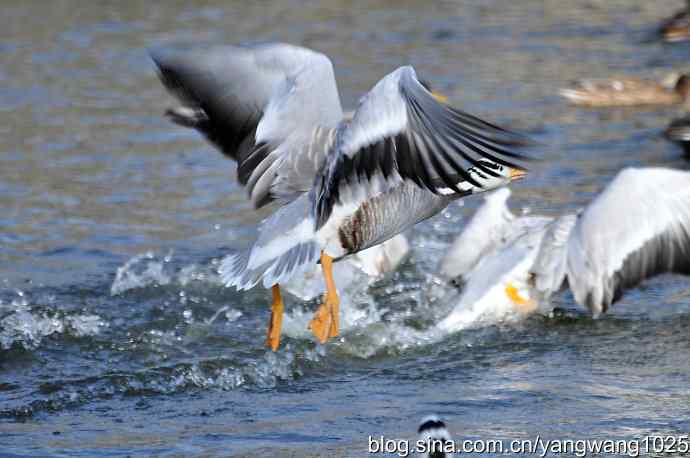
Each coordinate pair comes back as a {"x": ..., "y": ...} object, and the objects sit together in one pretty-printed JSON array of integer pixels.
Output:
[
  {"x": 26, "y": 325},
  {"x": 141, "y": 271},
  {"x": 148, "y": 269},
  {"x": 410, "y": 318},
  {"x": 262, "y": 373},
  {"x": 214, "y": 374}
]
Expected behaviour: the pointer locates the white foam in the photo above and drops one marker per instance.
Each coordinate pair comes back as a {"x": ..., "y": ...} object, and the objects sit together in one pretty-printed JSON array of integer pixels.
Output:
[
  {"x": 148, "y": 269},
  {"x": 28, "y": 325},
  {"x": 140, "y": 271},
  {"x": 265, "y": 372},
  {"x": 433, "y": 310}
]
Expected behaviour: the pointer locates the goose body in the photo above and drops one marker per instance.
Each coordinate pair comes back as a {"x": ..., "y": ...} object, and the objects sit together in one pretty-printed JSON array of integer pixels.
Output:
[
  {"x": 636, "y": 228},
  {"x": 492, "y": 227},
  {"x": 371, "y": 219},
  {"x": 497, "y": 289}
]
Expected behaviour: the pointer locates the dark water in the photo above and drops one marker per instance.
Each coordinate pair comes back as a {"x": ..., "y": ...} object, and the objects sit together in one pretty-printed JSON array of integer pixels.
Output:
[{"x": 116, "y": 337}]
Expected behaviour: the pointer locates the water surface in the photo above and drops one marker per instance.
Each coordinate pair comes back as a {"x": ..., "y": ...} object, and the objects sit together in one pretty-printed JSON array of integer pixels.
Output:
[{"x": 116, "y": 337}]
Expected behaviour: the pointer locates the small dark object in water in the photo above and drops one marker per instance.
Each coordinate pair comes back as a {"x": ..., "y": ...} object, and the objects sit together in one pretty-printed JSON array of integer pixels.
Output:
[{"x": 678, "y": 131}]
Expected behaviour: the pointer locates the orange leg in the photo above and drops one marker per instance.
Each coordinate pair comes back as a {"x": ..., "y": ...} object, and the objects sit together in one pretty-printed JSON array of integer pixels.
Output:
[
  {"x": 325, "y": 323},
  {"x": 273, "y": 335}
]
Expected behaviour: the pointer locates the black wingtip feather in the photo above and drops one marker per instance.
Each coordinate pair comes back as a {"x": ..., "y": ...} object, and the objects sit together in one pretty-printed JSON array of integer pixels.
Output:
[
  {"x": 250, "y": 160},
  {"x": 439, "y": 143}
]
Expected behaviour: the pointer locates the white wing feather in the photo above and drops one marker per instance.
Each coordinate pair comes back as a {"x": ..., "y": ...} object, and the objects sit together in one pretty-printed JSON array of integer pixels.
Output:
[{"x": 637, "y": 227}]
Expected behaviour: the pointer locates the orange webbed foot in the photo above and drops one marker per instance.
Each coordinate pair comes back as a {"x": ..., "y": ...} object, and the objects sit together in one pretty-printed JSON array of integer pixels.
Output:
[{"x": 326, "y": 320}]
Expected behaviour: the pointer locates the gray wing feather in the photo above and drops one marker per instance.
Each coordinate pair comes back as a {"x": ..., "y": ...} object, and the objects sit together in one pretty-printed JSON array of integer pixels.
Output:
[
  {"x": 400, "y": 130},
  {"x": 286, "y": 246},
  {"x": 229, "y": 85},
  {"x": 260, "y": 106},
  {"x": 639, "y": 226}
]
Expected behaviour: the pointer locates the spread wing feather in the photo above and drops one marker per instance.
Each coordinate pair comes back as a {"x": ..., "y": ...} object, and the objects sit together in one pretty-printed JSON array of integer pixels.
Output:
[
  {"x": 399, "y": 131},
  {"x": 265, "y": 106},
  {"x": 638, "y": 227}
]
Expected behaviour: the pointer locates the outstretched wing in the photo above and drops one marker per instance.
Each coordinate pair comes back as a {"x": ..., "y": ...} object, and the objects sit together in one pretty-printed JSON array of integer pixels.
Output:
[
  {"x": 399, "y": 131},
  {"x": 272, "y": 108},
  {"x": 639, "y": 226}
]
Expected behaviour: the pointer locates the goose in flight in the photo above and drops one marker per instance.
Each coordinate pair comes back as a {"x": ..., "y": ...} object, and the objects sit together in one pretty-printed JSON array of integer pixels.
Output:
[
  {"x": 636, "y": 228},
  {"x": 340, "y": 184}
]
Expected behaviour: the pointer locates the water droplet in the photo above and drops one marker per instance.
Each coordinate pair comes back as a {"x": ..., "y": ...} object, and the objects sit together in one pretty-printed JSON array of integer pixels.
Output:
[{"x": 232, "y": 315}]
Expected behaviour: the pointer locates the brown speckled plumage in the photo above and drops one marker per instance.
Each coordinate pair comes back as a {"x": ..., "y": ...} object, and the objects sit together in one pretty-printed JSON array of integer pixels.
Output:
[{"x": 384, "y": 215}]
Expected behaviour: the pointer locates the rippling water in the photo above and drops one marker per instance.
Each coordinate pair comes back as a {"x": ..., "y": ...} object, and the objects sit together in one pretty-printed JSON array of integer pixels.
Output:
[{"x": 116, "y": 337}]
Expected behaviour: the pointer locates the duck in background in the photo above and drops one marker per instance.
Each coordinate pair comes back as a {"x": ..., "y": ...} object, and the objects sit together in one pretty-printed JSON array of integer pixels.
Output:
[
  {"x": 677, "y": 27},
  {"x": 628, "y": 91},
  {"x": 678, "y": 131},
  {"x": 636, "y": 228}
]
